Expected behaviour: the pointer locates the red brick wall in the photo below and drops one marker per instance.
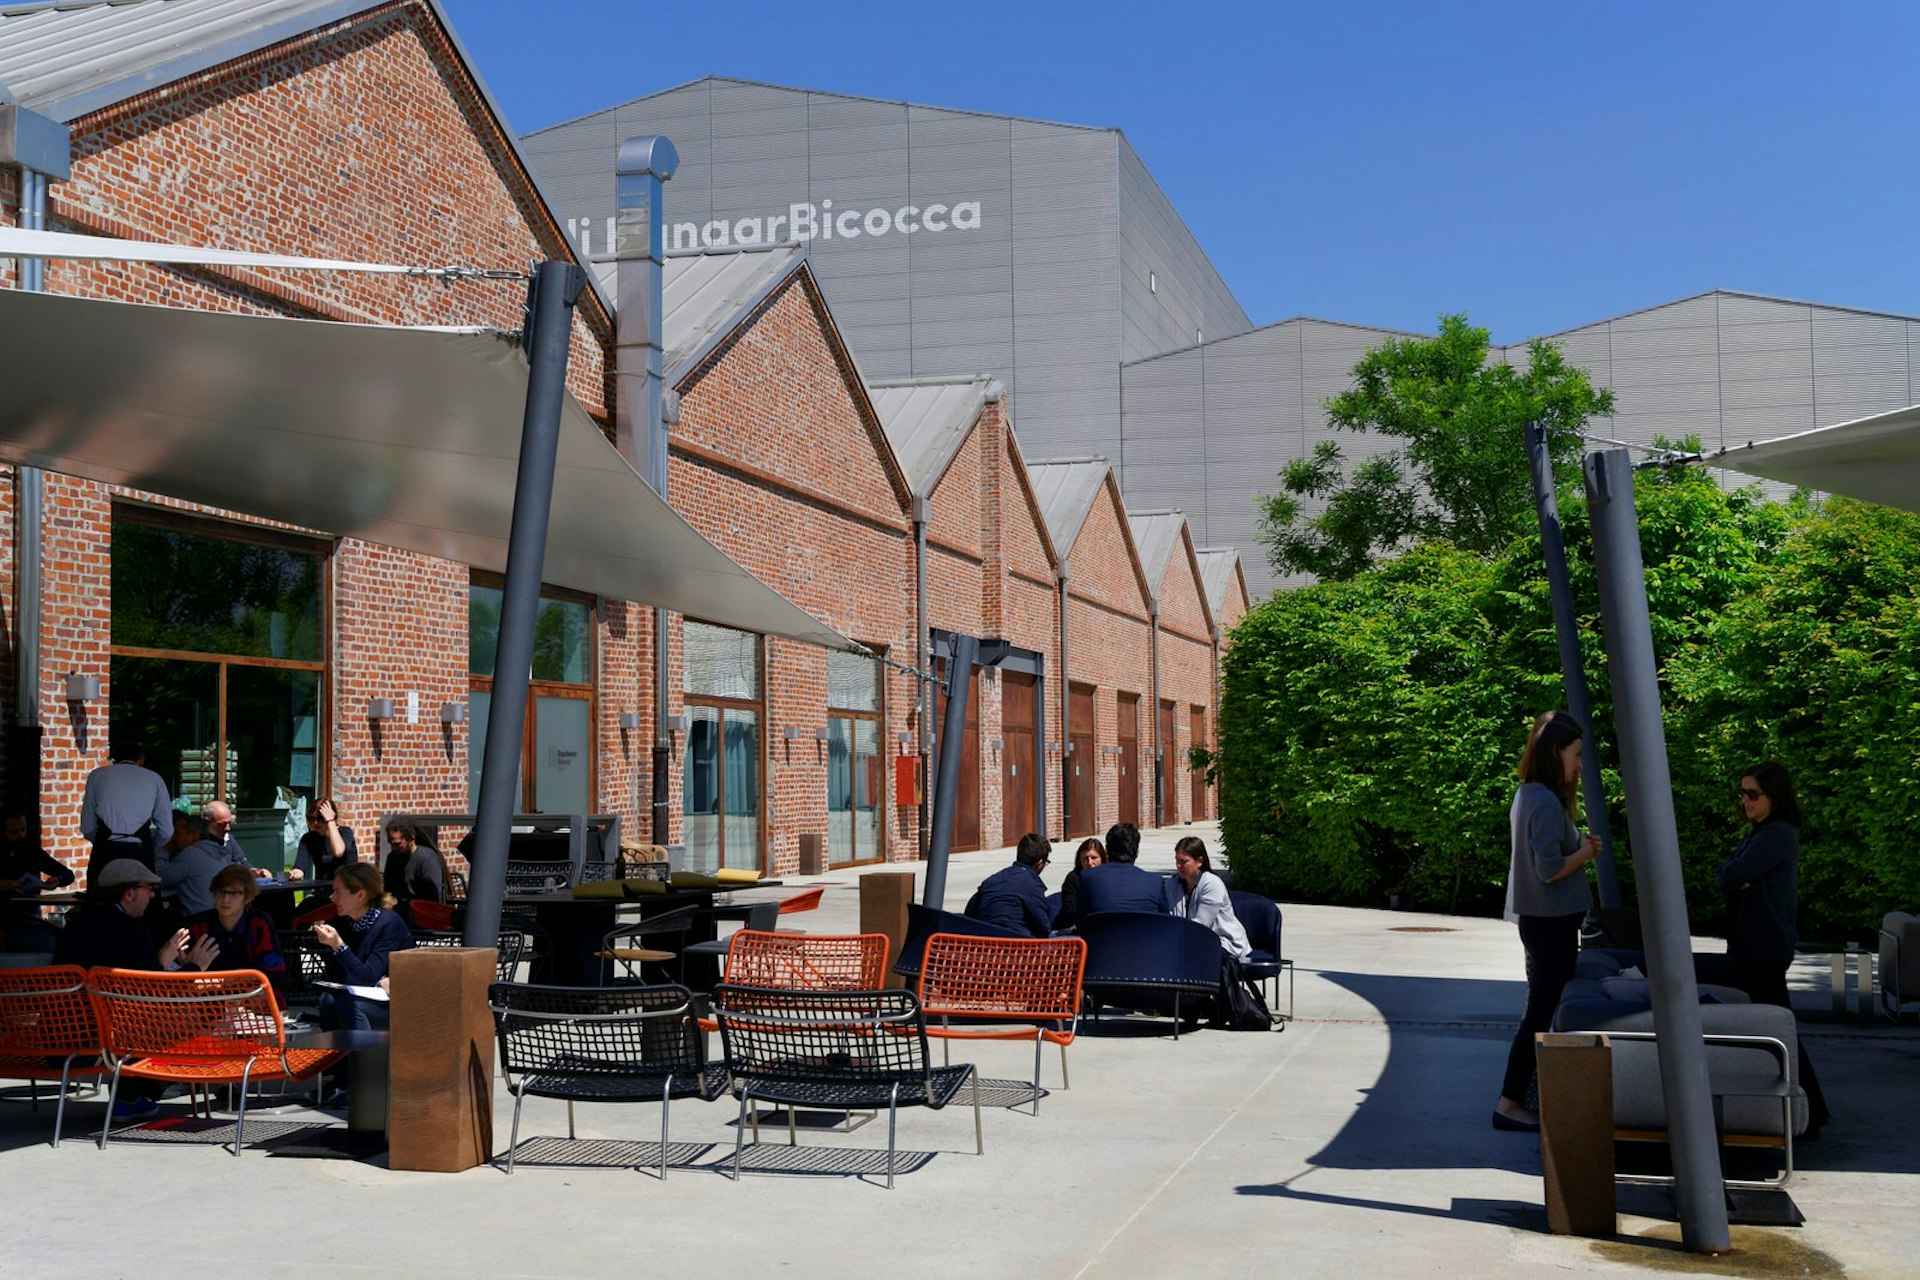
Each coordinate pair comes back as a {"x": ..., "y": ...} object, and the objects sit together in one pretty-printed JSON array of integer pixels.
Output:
[
  {"x": 366, "y": 141},
  {"x": 779, "y": 460},
  {"x": 1109, "y": 642}
]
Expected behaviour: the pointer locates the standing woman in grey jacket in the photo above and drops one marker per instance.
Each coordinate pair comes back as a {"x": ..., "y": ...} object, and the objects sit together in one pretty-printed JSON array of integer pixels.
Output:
[{"x": 1546, "y": 891}]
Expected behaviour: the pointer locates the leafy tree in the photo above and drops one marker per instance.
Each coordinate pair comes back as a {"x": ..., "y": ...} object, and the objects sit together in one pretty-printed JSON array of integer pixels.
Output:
[{"x": 1461, "y": 474}]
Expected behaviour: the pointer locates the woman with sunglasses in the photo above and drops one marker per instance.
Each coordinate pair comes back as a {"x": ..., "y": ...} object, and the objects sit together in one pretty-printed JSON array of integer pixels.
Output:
[{"x": 1762, "y": 884}]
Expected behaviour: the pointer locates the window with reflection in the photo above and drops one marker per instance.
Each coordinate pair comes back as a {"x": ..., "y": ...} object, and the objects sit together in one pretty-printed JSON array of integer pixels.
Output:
[
  {"x": 855, "y": 760},
  {"x": 721, "y": 798},
  {"x": 556, "y": 744},
  {"x": 217, "y": 667}
]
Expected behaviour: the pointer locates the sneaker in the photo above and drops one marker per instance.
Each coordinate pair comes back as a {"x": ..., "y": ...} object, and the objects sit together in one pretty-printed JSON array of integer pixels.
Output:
[{"x": 135, "y": 1109}]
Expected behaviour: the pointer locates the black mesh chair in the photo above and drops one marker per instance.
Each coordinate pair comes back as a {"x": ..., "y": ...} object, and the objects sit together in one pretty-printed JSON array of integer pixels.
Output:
[
  {"x": 537, "y": 876},
  {"x": 306, "y": 962},
  {"x": 627, "y": 946},
  {"x": 507, "y": 944},
  {"x": 601, "y": 1044},
  {"x": 832, "y": 1051}
]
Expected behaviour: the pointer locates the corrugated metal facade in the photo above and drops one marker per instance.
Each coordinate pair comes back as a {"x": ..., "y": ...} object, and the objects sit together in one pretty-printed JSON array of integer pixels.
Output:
[{"x": 1022, "y": 274}]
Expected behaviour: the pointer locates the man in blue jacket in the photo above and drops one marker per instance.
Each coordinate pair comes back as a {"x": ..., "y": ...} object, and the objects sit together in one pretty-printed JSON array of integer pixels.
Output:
[
  {"x": 1013, "y": 897},
  {"x": 1117, "y": 884}
]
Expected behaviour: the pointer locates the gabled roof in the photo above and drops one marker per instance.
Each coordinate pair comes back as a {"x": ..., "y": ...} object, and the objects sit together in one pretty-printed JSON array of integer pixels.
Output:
[
  {"x": 1156, "y": 534},
  {"x": 1066, "y": 489},
  {"x": 928, "y": 419},
  {"x": 67, "y": 58},
  {"x": 706, "y": 296},
  {"x": 1219, "y": 566}
]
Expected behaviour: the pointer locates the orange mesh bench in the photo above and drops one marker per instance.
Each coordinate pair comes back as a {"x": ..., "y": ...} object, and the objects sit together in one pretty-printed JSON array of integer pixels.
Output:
[{"x": 45, "y": 1014}]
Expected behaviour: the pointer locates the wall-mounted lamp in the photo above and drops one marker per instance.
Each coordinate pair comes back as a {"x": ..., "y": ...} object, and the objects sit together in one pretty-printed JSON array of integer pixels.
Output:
[
  {"x": 453, "y": 713},
  {"x": 1069, "y": 746},
  {"x": 379, "y": 708},
  {"x": 675, "y": 724},
  {"x": 999, "y": 744},
  {"x": 629, "y": 719},
  {"x": 82, "y": 688},
  {"x": 1053, "y": 746},
  {"x": 820, "y": 734},
  {"x": 791, "y": 732}
]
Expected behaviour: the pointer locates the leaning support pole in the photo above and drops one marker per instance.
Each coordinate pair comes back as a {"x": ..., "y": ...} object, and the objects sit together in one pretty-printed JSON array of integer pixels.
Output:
[
  {"x": 1573, "y": 672},
  {"x": 1700, "y": 1189},
  {"x": 946, "y": 787},
  {"x": 556, "y": 287}
]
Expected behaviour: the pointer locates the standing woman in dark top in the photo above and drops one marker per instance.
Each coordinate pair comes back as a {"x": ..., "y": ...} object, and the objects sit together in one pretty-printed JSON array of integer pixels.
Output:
[
  {"x": 359, "y": 941},
  {"x": 1762, "y": 884},
  {"x": 1546, "y": 893},
  {"x": 326, "y": 847}
]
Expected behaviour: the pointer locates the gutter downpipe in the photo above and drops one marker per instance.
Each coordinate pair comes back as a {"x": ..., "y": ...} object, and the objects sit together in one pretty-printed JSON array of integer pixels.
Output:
[
  {"x": 640, "y": 416},
  {"x": 1162, "y": 768},
  {"x": 921, "y": 660},
  {"x": 1066, "y": 715},
  {"x": 41, "y": 149}
]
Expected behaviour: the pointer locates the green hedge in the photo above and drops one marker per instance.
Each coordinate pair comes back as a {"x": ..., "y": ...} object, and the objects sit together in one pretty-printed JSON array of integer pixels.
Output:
[{"x": 1369, "y": 728}]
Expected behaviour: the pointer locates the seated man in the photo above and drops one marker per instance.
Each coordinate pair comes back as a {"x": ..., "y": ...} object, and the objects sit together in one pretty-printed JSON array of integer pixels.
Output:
[
  {"x": 109, "y": 930},
  {"x": 188, "y": 874},
  {"x": 218, "y": 819},
  {"x": 26, "y": 869},
  {"x": 423, "y": 874},
  {"x": 1013, "y": 897},
  {"x": 1119, "y": 885}
]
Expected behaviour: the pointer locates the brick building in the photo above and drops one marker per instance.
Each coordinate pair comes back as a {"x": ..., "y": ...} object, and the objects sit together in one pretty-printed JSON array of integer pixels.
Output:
[{"x": 244, "y": 652}]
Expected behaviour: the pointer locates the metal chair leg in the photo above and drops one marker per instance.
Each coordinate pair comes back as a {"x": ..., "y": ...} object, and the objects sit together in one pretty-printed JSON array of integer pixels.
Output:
[
  {"x": 1039, "y": 1042},
  {"x": 570, "y": 1119},
  {"x": 513, "y": 1135},
  {"x": 979, "y": 1137},
  {"x": 893, "y": 1116},
  {"x": 666, "y": 1100},
  {"x": 740, "y": 1132},
  {"x": 240, "y": 1111},
  {"x": 113, "y": 1092},
  {"x": 60, "y": 1107}
]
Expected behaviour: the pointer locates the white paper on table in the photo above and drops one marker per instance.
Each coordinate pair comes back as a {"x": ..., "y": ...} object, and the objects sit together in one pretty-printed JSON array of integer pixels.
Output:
[{"x": 365, "y": 993}]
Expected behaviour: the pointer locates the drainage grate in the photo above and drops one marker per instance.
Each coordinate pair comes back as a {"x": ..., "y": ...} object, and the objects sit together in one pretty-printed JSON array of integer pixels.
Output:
[{"x": 1422, "y": 928}]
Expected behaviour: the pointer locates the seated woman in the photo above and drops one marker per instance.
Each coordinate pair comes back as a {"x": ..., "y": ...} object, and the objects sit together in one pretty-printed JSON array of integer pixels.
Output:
[
  {"x": 1091, "y": 853},
  {"x": 1202, "y": 897},
  {"x": 326, "y": 847},
  {"x": 360, "y": 939},
  {"x": 234, "y": 935}
]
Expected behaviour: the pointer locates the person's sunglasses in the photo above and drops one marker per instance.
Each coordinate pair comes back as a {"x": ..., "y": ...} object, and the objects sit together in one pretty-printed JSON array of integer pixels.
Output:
[{"x": 1749, "y": 793}]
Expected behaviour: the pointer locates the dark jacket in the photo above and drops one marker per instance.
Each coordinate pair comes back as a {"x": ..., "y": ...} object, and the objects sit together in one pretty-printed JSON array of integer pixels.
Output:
[
  {"x": 1761, "y": 881},
  {"x": 101, "y": 933},
  {"x": 1121, "y": 886},
  {"x": 251, "y": 945},
  {"x": 315, "y": 858},
  {"x": 1014, "y": 899},
  {"x": 366, "y": 943}
]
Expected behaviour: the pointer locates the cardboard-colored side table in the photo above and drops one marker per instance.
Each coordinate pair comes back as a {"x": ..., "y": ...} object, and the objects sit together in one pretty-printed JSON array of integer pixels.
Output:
[{"x": 440, "y": 1107}]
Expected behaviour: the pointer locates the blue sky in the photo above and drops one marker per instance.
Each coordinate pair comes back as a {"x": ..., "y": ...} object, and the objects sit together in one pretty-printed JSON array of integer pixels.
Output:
[{"x": 1538, "y": 166}]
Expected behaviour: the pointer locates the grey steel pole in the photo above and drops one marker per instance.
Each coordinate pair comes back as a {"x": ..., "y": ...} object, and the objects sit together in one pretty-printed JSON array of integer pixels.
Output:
[
  {"x": 1573, "y": 671},
  {"x": 922, "y": 661},
  {"x": 1699, "y": 1187},
  {"x": 556, "y": 288},
  {"x": 946, "y": 790}
]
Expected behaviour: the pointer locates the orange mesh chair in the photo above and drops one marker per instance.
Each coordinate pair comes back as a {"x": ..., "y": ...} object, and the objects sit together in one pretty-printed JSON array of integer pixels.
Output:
[
  {"x": 45, "y": 1014},
  {"x": 196, "y": 1028},
  {"x": 805, "y": 900},
  {"x": 993, "y": 981},
  {"x": 808, "y": 961}
]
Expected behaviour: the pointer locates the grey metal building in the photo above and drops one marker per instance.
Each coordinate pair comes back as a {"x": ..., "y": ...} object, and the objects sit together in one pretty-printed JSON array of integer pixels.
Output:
[
  {"x": 950, "y": 242},
  {"x": 1045, "y": 255}
]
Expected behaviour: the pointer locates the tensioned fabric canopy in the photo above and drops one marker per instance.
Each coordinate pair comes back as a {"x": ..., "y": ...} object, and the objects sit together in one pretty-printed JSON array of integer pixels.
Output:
[
  {"x": 1875, "y": 459},
  {"x": 402, "y": 436}
]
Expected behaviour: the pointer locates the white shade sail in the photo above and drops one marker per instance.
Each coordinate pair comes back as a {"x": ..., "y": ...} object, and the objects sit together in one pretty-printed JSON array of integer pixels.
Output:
[
  {"x": 1875, "y": 459},
  {"x": 405, "y": 437}
]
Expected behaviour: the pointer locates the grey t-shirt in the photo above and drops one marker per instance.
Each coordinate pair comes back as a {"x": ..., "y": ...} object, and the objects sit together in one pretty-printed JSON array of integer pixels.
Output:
[{"x": 1543, "y": 838}]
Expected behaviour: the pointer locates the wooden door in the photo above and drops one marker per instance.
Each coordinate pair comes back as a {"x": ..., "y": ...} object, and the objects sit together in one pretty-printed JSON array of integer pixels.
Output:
[
  {"x": 1130, "y": 758},
  {"x": 1018, "y": 759},
  {"x": 1201, "y": 809},
  {"x": 1083, "y": 769},
  {"x": 1169, "y": 767},
  {"x": 966, "y": 800}
]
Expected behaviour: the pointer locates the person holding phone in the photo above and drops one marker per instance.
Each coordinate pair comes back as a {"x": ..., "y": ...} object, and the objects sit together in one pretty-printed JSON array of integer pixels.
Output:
[{"x": 1546, "y": 894}]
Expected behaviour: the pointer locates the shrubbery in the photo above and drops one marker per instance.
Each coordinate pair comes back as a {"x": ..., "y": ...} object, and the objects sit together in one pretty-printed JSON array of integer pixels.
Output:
[{"x": 1369, "y": 728}]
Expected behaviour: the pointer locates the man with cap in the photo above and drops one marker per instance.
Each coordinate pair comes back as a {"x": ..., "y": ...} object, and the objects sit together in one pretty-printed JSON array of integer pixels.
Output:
[
  {"x": 124, "y": 811},
  {"x": 109, "y": 929}
]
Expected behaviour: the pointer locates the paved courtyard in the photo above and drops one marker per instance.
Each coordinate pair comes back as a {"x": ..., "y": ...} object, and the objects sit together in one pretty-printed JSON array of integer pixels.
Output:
[{"x": 1354, "y": 1143}]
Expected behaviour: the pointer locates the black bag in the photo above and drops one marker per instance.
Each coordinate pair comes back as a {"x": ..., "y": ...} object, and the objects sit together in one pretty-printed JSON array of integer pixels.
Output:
[{"x": 1239, "y": 1006}]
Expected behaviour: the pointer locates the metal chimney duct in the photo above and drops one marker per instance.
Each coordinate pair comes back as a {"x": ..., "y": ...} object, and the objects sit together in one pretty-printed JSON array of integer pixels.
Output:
[{"x": 640, "y": 428}]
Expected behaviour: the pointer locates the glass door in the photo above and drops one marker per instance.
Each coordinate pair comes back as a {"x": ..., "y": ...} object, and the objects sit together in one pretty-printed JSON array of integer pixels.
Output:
[
  {"x": 722, "y": 788},
  {"x": 853, "y": 790}
]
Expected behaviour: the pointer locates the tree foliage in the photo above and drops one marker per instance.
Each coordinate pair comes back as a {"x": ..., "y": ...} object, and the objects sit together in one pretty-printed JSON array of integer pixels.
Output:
[{"x": 1460, "y": 473}]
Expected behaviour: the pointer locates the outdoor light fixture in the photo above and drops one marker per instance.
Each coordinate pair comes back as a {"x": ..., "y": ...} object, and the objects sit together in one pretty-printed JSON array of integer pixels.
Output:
[
  {"x": 675, "y": 724},
  {"x": 629, "y": 719},
  {"x": 903, "y": 737},
  {"x": 379, "y": 708},
  {"x": 820, "y": 734},
  {"x": 791, "y": 732},
  {"x": 453, "y": 713},
  {"x": 999, "y": 744},
  {"x": 82, "y": 688}
]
